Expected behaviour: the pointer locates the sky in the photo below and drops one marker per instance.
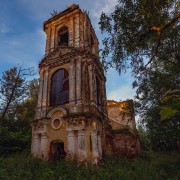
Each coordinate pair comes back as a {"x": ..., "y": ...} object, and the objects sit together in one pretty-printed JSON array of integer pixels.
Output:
[{"x": 22, "y": 39}]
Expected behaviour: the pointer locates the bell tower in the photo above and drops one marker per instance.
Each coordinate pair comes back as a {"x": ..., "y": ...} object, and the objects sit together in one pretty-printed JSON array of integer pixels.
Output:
[{"x": 71, "y": 112}]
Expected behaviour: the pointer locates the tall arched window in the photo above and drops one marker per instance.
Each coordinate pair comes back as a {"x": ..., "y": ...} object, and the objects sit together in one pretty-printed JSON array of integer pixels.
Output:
[
  {"x": 63, "y": 36},
  {"x": 60, "y": 87}
]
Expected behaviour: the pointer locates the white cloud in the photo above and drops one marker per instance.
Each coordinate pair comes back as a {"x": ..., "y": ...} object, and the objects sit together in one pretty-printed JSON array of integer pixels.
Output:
[
  {"x": 122, "y": 93},
  {"x": 105, "y": 6},
  {"x": 42, "y": 9},
  {"x": 119, "y": 86},
  {"x": 4, "y": 28}
]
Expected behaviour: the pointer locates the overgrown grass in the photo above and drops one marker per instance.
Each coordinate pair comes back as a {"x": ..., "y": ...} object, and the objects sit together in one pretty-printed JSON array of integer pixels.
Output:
[{"x": 148, "y": 166}]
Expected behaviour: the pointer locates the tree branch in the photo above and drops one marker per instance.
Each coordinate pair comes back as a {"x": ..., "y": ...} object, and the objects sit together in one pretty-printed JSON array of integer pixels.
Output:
[
  {"x": 171, "y": 22},
  {"x": 154, "y": 28},
  {"x": 159, "y": 33}
]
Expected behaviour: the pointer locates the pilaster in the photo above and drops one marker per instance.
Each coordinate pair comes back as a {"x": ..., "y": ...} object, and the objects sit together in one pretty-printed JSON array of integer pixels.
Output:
[
  {"x": 100, "y": 146},
  {"x": 78, "y": 81},
  {"x": 40, "y": 93},
  {"x": 45, "y": 93},
  {"x": 72, "y": 82},
  {"x": 71, "y": 141},
  {"x": 71, "y": 34},
  {"x": 44, "y": 145},
  {"x": 95, "y": 147},
  {"x": 82, "y": 154},
  {"x": 52, "y": 38},
  {"x": 48, "y": 40},
  {"x": 36, "y": 145},
  {"x": 91, "y": 84}
]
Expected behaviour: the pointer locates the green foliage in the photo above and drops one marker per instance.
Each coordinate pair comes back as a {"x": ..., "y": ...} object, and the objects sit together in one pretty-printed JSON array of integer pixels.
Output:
[
  {"x": 143, "y": 36},
  {"x": 145, "y": 140},
  {"x": 26, "y": 110},
  {"x": 148, "y": 166},
  {"x": 167, "y": 112},
  {"x": 12, "y": 90},
  {"x": 164, "y": 135},
  {"x": 149, "y": 103},
  {"x": 171, "y": 105},
  {"x": 15, "y": 130},
  {"x": 132, "y": 37},
  {"x": 11, "y": 142}
]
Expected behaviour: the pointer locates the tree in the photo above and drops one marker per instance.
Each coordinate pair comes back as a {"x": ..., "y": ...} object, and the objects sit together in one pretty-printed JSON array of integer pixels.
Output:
[
  {"x": 170, "y": 104},
  {"x": 165, "y": 135},
  {"x": 15, "y": 132},
  {"x": 25, "y": 111},
  {"x": 140, "y": 32},
  {"x": 13, "y": 88},
  {"x": 144, "y": 139},
  {"x": 145, "y": 36}
]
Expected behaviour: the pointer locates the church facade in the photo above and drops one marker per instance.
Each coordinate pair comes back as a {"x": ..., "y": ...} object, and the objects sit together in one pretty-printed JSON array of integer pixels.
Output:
[{"x": 71, "y": 118}]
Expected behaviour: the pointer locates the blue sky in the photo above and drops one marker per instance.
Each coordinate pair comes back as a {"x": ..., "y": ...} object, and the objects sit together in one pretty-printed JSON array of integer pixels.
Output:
[{"x": 22, "y": 38}]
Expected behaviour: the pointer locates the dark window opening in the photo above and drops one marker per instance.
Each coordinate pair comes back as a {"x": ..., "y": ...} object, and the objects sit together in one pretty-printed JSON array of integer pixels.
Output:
[
  {"x": 63, "y": 36},
  {"x": 57, "y": 150},
  {"x": 60, "y": 87}
]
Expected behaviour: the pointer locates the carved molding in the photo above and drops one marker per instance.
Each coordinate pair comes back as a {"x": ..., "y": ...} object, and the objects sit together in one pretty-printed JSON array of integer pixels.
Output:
[
  {"x": 53, "y": 110},
  {"x": 56, "y": 123}
]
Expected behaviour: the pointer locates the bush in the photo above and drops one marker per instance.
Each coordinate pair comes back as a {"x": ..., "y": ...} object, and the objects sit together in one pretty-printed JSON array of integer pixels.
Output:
[{"x": 11, "y": 142}]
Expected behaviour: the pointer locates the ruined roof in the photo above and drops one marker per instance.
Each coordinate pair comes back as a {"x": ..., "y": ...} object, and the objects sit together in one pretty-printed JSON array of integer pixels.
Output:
[
  {"x": 124, "y": 106},
  {"x": 62, "y": 13},
  {"x": 121, "y": 103}
]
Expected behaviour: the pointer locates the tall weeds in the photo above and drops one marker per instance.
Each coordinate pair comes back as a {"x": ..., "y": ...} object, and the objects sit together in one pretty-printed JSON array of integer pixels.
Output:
[{"x": 146, "y": 167}]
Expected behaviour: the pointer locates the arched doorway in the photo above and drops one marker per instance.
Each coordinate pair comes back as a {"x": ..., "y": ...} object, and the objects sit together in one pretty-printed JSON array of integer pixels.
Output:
[{"x": 57, "y": 150}]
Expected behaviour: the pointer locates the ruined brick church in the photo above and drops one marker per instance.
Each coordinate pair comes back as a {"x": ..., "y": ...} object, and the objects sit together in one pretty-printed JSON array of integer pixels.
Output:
[{"x": 73, "y": 118}]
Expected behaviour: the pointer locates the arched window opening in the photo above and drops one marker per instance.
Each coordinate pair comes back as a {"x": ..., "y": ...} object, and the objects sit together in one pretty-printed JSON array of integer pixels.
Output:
[
  {"x": 98, "y": 91},
  {"x": 60, "y": 87},
  {"x": 63, "y": 36}
]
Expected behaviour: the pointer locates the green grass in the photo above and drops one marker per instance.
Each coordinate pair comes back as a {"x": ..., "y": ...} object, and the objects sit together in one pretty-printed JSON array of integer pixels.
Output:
[{"x": 149, "y": 165}]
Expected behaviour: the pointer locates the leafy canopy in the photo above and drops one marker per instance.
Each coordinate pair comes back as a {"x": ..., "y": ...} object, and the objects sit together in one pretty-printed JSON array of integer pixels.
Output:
[
  {"x": 139, "y": 32},
  {"x": 145, "y": 36}
]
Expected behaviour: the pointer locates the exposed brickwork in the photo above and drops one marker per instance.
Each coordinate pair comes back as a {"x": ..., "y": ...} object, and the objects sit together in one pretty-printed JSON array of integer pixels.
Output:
[
  {"x": 121, "y": 114},
  {"x": 126, "y": 144},
  {"x": 81, "y": 131},
  {"x": 124, "y": 136},
  {"x": 84, "y": 131}
]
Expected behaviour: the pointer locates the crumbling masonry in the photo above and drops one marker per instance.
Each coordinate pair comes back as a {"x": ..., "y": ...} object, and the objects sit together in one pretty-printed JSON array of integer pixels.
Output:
[{"x": 71, "y": 117}]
